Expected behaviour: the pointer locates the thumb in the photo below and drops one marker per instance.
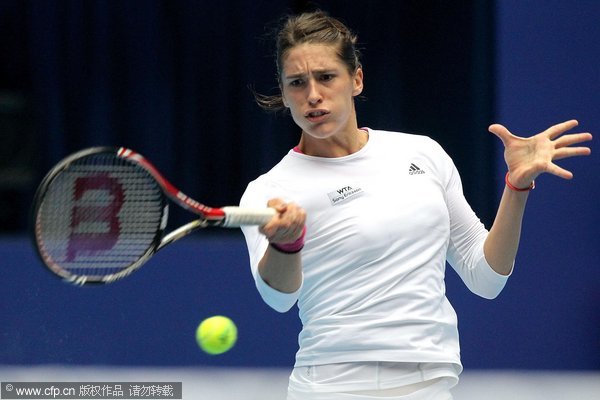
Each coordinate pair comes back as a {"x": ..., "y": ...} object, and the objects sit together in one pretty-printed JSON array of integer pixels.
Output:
[
  {"x": 278, "y": 204},
  {"x": 500, "y": 131}
]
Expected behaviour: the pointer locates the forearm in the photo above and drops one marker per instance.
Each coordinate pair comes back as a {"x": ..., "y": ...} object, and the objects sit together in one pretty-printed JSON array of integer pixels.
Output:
[
  {"x": 281, "y": 271},
  {"x": 502, "y": 243}
]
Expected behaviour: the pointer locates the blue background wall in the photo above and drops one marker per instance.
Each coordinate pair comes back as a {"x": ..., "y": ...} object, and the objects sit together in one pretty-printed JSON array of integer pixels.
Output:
[
  {"x": 548, "y": 317},
  {"x": 546, "y": 70},
  {"x": 549, "y": 71}
]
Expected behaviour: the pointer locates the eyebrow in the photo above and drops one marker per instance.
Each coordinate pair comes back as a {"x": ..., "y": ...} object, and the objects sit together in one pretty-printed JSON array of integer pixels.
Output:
[{"x": 314, "y": 71}]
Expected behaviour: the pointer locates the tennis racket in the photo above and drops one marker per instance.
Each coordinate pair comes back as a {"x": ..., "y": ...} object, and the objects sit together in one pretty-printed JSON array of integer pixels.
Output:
[{"x": 101, "y": 213}]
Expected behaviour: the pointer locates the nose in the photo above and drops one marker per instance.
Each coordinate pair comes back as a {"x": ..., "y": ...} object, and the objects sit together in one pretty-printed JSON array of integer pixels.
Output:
[{"x": 314, "y": 95}]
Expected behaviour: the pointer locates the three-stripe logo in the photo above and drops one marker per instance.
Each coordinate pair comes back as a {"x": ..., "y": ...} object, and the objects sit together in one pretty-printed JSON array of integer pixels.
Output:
[{"x": 414, "y": 169}]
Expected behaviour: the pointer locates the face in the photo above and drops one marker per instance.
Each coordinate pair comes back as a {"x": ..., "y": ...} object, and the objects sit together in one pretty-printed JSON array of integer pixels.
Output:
[{"x": 319, "y": 91}]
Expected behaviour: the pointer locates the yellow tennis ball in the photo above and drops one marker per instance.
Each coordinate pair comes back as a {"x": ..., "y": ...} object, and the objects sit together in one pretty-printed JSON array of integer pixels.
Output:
[{"x": 216, "y": 335}]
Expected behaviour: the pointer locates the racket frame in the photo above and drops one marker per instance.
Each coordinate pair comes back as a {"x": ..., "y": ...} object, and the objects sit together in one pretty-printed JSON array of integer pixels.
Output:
[
  {"x": 55, "y": 267},
  {"x": 211, "y": 216},
  {"x": 228, "y": 217}
]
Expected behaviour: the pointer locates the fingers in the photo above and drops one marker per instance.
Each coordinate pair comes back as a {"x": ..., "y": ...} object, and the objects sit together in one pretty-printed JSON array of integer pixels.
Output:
[
  {"x": 567, "y": 152},
  {"x": 574, "y": 138},
  {"x": 278, "y": 204},
  {"x": 287, "y": 225},
  {"x": 527, "y": 158},
  {"x": 564, "y": 151},
  {"x": 559, "y": 171},
  {"x": 558, "y": 129},
  {"x": 553, "y": 132}
]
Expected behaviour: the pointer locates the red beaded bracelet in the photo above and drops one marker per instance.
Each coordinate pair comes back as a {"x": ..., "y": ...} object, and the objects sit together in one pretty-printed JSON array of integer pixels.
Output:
[{"x": 516, "y": 189}]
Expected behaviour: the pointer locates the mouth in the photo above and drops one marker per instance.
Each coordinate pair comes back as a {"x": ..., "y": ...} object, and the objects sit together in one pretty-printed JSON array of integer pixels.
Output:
[{"x": 316, "y": 115}]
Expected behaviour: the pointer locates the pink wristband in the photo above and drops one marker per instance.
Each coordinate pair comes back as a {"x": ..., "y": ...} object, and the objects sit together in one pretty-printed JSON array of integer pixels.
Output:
[{"x": 293, "y": 247}]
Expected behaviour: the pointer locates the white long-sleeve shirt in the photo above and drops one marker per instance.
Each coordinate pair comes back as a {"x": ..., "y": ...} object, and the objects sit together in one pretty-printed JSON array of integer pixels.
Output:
[{"x": 381, "y": 224}]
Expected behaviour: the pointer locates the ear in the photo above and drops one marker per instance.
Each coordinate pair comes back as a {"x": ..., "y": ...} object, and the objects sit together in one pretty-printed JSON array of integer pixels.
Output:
[{"x": 357, "y": 82}]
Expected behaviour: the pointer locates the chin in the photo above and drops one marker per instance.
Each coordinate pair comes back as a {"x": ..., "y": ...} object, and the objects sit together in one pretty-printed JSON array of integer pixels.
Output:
[{"x": 323, "y": 131}]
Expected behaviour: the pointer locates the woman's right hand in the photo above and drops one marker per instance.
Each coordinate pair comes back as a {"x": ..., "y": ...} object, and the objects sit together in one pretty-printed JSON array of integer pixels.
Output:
[{"x": 287, "y": 225}]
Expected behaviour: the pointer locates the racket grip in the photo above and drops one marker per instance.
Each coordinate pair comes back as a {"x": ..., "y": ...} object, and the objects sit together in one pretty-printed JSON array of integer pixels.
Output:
[{"x": 238, "y": 216}]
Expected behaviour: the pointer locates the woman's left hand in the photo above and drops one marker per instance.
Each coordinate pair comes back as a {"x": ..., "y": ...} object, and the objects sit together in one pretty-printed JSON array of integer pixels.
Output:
[{"x": 527, "y": 158}]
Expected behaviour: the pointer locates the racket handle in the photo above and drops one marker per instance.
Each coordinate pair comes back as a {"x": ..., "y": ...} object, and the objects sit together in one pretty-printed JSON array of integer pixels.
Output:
[{"x": 237, "y": 216}]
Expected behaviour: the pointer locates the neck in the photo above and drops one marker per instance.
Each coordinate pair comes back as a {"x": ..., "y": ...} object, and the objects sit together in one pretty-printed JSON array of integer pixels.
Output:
[{"x": 333, "y": 147}]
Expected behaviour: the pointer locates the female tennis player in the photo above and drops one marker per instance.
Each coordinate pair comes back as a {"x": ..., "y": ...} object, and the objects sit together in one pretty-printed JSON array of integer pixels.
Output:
[{"x": 366, "y": 222}]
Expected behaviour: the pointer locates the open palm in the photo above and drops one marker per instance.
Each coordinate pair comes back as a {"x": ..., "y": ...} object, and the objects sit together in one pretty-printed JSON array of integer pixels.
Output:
[{"x": 527, "y": 158}]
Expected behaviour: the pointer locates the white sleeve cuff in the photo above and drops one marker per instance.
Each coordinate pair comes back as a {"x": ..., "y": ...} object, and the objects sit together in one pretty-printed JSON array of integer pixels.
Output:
[
  {"x": 486, "y": 282},
  {"x": 277, "y": 300}
]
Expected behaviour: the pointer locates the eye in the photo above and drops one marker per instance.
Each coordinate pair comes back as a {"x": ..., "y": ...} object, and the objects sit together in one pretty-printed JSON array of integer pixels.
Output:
[
  {"x": 296, "y": 82},
  {"x": 326, "y": 77}
]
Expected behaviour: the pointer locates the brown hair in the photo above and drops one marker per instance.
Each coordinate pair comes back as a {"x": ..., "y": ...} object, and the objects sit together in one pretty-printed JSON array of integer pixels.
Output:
[{"x": 317, "y": 28}]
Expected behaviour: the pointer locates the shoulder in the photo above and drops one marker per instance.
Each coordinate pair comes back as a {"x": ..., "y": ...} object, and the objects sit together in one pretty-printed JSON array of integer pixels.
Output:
[
  {"x": 271, "y": 183},
  {"x": 412, "y": 151},
  {"x": 409, "y": 141},
  {"x": 284, "y": 170}
]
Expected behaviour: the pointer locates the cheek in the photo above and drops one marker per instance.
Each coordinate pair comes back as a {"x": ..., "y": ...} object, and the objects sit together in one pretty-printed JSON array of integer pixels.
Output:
[
  {"x": 292, "y": 104},
  {"x": 288, "y": 99},
  {"x": 298, "y": 119},
  {"x": 348, "y": 101},
  {"x": 294, "y": 111}
]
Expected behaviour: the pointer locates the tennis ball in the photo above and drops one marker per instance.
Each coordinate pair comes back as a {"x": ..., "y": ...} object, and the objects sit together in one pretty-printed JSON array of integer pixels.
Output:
[{"x": 216, "y": 335}]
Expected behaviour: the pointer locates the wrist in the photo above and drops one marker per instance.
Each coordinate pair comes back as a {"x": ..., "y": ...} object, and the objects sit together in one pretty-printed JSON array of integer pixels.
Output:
[
  {"x": 517, "y": 189},
  {"x": 292, "y": 247}
]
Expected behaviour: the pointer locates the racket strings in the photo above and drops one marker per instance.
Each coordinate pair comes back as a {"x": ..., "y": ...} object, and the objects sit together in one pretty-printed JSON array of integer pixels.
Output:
[{"x": 99, "y": 216}]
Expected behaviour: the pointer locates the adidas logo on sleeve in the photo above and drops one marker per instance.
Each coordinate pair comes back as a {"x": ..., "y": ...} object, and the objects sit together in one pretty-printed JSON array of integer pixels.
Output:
[{"x": 415, "y": 170}]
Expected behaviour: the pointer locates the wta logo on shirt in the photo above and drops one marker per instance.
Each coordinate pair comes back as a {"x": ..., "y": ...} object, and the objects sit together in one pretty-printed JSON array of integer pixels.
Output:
[{"x": 344, "y": 194}]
